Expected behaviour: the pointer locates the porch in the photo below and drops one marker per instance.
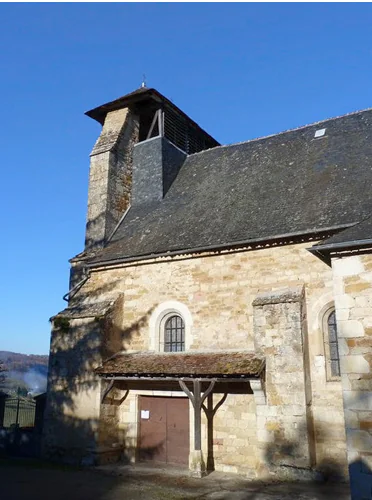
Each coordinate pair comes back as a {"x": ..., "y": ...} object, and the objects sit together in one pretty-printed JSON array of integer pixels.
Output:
[{"x": 205, "y": 379}]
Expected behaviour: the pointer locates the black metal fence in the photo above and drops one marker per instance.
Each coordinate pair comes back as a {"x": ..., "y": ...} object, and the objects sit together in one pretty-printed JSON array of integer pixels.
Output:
[
  {"x": 21, "y": 420},
  {"x": 19, "y": 412}
]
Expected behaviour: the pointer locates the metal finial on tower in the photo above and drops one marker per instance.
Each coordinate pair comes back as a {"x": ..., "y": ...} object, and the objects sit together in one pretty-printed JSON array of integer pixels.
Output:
[{"x": 143, "y": 84}]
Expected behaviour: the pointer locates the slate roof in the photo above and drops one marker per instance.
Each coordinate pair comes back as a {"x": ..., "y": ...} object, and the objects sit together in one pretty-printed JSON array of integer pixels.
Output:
[
  {"x": 211, "y": 364},
  {"x": 356, "y": 235},
  {"x": 86, "y": 310},
  {"x": 285, "y": 184}
]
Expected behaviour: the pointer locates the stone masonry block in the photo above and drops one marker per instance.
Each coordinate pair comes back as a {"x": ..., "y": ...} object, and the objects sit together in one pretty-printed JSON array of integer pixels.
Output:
[
  {"x": 344, "y": 301},
  {"x": 354, "y": 364},
  {"x": 352, "y": 266},
  {"x": 357, "y": 400},
  {"x": 360, "y": 441},
  {"x": 350, "y": 328},
  {"x": 279, "y": 297}
]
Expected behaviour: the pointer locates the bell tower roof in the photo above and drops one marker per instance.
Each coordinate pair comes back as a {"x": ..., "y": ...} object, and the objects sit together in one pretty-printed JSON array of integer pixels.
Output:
[{"x": 176, "y": 126}]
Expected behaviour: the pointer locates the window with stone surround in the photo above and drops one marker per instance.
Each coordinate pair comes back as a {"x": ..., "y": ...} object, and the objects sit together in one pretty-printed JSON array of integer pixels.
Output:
[
  {"x": 331, "y": 343},
  {"x": 170, "y": 327}
]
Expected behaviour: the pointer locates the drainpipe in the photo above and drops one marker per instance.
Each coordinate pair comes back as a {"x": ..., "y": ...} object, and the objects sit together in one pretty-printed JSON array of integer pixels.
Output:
[{"x": 77, "y": 287}]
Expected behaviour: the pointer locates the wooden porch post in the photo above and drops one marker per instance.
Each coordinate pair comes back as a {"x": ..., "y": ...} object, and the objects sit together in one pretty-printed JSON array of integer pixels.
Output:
[
  {"x": 197, "y": 399},
  {"x": 197, "y": 415}
]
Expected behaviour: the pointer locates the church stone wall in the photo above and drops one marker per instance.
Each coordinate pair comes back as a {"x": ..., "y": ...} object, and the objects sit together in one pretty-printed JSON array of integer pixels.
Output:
[
  {"x": 353, "y": 299},
  {"x": 73, "y": 407},
  {"x": 110, "y": 176},
  {"x": 76, "y": 425},
  {"x": 219, "y": 291},
  {"x": 284, "y": 422}
]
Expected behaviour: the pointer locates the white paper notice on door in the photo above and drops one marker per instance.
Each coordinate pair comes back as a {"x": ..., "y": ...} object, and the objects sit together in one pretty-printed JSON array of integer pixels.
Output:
[{"x": 145, "y": 414}]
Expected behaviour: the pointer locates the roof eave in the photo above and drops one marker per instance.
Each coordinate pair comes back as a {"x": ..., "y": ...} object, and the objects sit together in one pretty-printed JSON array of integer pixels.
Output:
[
  {"x": 220, "y": 247},
  {"x": 177, "y": 378},
  {"x": 344, "y": 245},
  {"x": 323, "y": 252},
  {"x": 99, "y": 113}
]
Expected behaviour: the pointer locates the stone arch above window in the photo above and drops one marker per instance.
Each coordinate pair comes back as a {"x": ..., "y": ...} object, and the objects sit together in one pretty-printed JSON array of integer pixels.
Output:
[
  {"x": 330, "y": 339},
  {"x": 170, "y": 327}
]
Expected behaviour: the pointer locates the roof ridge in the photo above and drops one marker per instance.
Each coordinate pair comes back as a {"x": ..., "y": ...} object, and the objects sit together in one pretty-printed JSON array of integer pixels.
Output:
[{"x": 283, "y": 131}]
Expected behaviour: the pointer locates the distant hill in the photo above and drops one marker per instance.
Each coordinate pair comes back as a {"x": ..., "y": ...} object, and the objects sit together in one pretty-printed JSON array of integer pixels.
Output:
[{"x": 27, "y": 371}]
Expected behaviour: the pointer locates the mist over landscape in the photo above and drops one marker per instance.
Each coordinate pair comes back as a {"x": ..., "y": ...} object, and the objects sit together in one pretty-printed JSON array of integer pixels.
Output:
[{"x": 25, "y": 371}]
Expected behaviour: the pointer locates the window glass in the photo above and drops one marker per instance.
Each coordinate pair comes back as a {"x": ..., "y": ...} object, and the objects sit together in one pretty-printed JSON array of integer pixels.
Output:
[
  {"x": 174, "y": 334},
  {"x": 333, "y": 345}
]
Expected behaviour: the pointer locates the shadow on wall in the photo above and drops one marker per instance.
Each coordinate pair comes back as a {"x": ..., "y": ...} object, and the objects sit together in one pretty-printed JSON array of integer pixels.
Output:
[
  {"x": 92, "y": 228},
  {"x": 283, "y": 454},
  {"x": 359, "y": 438},
  {"x": 360, "y": 480},
  {"x": 280, "y": 450},
  {"x": 210, "y": 410},
  {"x": 78, "y": 428},
  {"x": 76, "y": 299},
  {"x": 284, "y": 479}
]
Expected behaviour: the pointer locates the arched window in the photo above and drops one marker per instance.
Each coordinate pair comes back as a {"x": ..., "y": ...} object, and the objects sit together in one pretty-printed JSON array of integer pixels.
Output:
[
  {"x": 334, "y": 357},
  {"x": 174, "y": 334},
  {"x": 331, "y": 343},
  {"x": 170, "y": 335}
]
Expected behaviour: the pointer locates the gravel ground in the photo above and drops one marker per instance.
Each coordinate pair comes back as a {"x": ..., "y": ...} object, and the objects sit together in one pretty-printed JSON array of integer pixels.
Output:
[{"x": 36, "y": 481}]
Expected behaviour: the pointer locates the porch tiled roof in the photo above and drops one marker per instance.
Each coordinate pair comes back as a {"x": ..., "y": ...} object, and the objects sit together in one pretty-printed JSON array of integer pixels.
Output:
[{"x": 189, "y": 364}]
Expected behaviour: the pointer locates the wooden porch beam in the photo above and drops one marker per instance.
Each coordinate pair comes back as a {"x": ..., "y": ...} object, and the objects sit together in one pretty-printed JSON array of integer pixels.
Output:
[
  {"x": 187, "y": 392},
  {"x": 107, "y": 390},
  {"x": 213, "y": 411},
  {"x": 197, "y": 399}
]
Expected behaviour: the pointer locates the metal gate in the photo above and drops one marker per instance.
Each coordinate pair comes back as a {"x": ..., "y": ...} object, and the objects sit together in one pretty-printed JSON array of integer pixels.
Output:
[{"x": 19, "y": 410}]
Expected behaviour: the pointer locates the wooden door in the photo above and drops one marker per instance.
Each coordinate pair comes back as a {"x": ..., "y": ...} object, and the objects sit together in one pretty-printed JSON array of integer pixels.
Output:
[{"x": 164, "y": 429}]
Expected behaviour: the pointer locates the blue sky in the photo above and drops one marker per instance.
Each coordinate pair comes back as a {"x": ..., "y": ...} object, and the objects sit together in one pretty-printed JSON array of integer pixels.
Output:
[{"x": 240, "y": 70}]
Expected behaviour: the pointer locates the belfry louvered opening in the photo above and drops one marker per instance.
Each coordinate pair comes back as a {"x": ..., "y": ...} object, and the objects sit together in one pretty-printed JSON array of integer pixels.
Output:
[
  {"x": 179, "y": 131},
  {"x": 177, "y": 128}
]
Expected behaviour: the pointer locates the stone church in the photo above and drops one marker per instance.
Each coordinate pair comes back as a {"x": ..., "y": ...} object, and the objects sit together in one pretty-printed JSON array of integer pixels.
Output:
[{"x": 220, "y": 315}]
